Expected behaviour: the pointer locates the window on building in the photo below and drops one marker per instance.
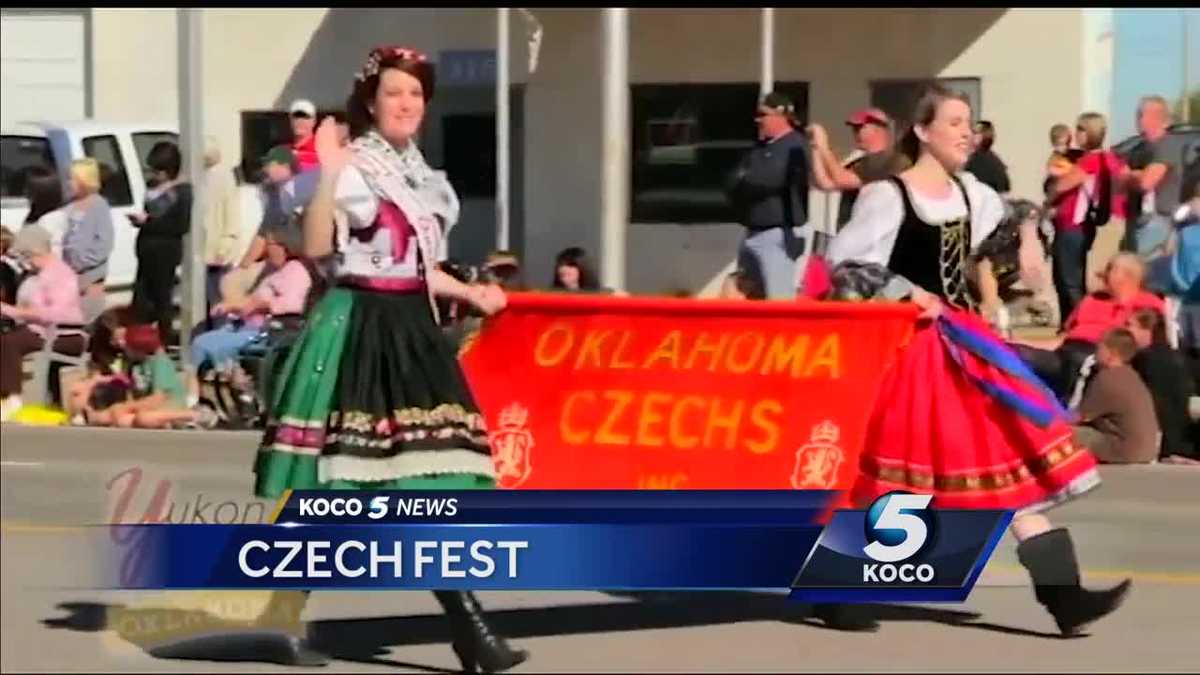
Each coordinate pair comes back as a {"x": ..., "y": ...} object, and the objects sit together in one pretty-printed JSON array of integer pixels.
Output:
[
  {"x": 687, "y": 138},
  {"x": 261, "y": 131},
  {"x": 898, "y": 98},
  {"x": 19, "y": 154},
  {"x": 114, "y": 178},
  {"x": 145, "y": 141},
  {"x": 469, "y": 154}
]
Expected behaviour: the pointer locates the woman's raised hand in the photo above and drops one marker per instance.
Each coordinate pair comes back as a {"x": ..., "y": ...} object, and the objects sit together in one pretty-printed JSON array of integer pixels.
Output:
[{"x": 330, "y": 151}]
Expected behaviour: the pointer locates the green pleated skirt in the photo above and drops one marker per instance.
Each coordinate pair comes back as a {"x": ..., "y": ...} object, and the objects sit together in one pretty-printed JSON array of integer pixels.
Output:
[{"x": 372, "y": 397}]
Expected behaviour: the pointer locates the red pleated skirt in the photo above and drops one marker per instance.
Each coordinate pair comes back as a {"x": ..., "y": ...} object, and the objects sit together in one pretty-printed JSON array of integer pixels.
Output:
[{"x": 934, "y": 429}]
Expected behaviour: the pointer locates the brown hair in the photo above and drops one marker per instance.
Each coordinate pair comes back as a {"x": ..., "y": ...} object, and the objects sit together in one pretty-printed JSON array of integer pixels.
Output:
[
  {"x": 987, "y": 133},
  {"x": 924, "y": 113},
  {"x": 358, "y": 106},
  {"x": 1150, "y": 320},
  {"x": 6, "y": 239},
  {"x": 44, "y": 191},
  {"x": 1094, "y": 127},
  {"x": 103, "y": 352},
  {"x": 1120, "y": 342}
]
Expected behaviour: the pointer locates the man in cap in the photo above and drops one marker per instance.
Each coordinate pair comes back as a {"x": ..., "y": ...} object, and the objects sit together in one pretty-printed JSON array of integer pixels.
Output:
[
  {"x": 875, "y": 158},
  {"x": 769, "y": 191},
  {"x": 284, "y": 197},
  {"x": 304, "y": 139}
]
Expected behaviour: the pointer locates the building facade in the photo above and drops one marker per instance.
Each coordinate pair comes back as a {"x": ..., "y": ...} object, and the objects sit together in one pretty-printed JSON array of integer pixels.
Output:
[{"x": 693, "y": 73}]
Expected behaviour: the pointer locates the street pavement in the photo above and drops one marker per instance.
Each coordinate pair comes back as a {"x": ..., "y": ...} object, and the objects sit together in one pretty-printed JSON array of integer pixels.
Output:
[{"x": 1142, "y": 523}]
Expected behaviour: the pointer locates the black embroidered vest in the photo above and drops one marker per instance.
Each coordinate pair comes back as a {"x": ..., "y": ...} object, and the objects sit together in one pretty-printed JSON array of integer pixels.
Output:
[{"x": 934, "y": 256}]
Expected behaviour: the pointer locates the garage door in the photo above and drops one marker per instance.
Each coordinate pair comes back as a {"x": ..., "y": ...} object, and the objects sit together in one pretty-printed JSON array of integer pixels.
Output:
[{"x": 42, "y": 64}]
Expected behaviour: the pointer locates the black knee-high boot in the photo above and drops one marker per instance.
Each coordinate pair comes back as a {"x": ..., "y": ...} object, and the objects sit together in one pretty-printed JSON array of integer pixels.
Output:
[
  {"x": 477, "y": 646},
  {"x": 1050, "y": 559}
]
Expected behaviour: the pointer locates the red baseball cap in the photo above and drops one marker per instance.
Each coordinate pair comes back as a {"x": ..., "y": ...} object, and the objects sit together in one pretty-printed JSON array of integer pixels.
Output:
[{"x": 867, "y": 116}]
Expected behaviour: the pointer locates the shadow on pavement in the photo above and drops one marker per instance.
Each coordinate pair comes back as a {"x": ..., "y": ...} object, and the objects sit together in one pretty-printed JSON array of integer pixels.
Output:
[
  {"x": 368, "y": 640},
  {"x": 191, "y": 634}
]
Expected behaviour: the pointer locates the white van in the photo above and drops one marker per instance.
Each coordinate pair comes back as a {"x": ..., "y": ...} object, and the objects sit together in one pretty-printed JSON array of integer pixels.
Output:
[{"x": 121, "y": 149}]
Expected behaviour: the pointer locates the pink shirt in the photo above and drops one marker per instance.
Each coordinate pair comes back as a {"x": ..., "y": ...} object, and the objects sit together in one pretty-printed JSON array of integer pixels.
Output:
[
  {"x": 284, "y": 291},
  {"x": 53, "y": 295}
]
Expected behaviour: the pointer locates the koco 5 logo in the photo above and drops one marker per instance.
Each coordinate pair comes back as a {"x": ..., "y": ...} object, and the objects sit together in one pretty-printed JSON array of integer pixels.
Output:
[{"x": 898, "y": 526}]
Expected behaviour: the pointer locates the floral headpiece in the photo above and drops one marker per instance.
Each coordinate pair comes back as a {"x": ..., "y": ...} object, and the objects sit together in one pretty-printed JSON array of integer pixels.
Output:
[{"x": 379, "y": 54}]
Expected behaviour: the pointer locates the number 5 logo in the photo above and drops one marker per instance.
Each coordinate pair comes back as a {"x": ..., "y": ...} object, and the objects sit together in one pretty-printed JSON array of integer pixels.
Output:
[{"x": 888, "y": 513}]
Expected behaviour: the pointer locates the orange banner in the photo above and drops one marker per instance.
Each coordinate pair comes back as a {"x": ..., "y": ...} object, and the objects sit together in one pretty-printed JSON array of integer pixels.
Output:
[{"x": 661, "y": 393}]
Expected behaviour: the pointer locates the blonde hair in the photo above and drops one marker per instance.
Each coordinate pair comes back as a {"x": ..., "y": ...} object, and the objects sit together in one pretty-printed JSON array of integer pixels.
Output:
[
  {"x": 1060, "y": 132},
  {"x": 1094, "y": 128},
  {"x": 86, "y": 172}
]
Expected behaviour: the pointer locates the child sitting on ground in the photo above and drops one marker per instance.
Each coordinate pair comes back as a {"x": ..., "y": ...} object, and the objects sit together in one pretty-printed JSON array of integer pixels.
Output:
[
  {"x": 1117, "y": 421},
  {"x": 134, "y": 383}
]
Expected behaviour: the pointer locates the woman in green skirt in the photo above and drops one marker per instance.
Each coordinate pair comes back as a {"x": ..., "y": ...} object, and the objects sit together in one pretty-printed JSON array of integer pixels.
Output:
[{"x": 372, "y": 396}]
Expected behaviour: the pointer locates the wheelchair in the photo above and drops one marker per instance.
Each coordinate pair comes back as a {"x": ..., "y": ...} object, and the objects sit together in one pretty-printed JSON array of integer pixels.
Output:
[{"x": 242, "y": 396}]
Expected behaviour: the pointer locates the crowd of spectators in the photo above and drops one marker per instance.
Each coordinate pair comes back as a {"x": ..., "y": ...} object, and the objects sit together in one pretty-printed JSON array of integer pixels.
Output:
[{"x": 1120, "y": 240}]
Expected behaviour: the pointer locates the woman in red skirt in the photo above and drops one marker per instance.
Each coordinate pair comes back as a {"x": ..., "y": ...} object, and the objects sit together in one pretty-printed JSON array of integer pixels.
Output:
[{"x": 959, "y": 415}]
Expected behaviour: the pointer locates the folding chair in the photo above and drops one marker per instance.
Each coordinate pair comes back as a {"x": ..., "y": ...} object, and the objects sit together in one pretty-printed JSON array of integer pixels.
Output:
[{"x": 44, "y": 360}]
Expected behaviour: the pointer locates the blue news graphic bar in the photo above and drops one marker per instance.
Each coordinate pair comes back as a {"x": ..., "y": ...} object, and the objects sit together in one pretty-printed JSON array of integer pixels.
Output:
[
  {"x": 567, "y": 540},
  {"x": 490, "y": 557}
]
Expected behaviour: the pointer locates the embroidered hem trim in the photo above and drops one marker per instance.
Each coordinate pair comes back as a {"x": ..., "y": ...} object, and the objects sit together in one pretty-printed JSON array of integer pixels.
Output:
[
  {"x": 406, "y": 465},
  {"x": 312, "y": 441},
  {"x": 353, "y": 439},
  {"x": 1058, "y": 454},
  {"x": 442, "y": 415}
]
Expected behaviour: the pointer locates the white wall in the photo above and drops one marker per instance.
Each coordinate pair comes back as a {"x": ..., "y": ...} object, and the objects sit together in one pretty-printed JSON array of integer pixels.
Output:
[
  {"x": 262, "y": 59},
  {"x": 43, "y": 64},
  {"x": 563, "y": 141},
  {"x": 134, "y": 64},
  {"x": 1029, "y": 62}
]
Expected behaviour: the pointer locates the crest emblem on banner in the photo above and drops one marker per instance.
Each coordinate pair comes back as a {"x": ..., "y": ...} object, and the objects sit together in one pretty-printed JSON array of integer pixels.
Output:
[
  {"x": 511, "y": 444},
  {"x": 818, "y": 462}
]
